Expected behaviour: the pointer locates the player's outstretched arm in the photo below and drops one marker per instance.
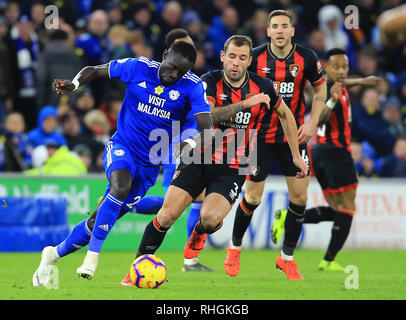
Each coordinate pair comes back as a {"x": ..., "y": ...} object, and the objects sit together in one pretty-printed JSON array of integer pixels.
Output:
[
  {"x": 85, "y": 76},
  {"x": 367, "y": 81},
  {"x": 226, "y": 112},
  {"x": 289, "y": 127}
]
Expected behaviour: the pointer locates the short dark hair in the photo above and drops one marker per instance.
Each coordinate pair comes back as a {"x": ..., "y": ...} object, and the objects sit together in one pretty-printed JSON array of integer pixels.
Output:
[
  {"x": 276, "y": 13},
  {"x": 239, "y": 41},
  {"x": 174, "y": 34},
  {"x": 333, "y": 52},
  {"x": 185, "y": 49}
]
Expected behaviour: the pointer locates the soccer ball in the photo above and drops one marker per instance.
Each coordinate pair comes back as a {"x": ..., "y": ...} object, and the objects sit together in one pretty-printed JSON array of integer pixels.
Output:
[{"x": 148, "y": 271}]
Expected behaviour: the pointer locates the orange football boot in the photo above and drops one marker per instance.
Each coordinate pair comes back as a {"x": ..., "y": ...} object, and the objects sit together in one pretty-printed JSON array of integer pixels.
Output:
[
  {"x": 232, "y": 262},
  {"x": 289, "y": 267},
  {"x": 194, "y": 245},
  {"x": 127, "y": 281}
]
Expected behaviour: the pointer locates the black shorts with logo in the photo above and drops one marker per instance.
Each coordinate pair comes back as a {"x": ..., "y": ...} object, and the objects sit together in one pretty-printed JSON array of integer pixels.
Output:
[
  {"x": 218, "y": 178},
  {"x": 269, "y": 152},
  {"x": 334, "y": 169}
]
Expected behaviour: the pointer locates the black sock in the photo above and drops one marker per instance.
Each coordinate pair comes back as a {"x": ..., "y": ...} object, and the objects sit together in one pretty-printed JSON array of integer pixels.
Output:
[
  {"x": 201, "y": 230},
  {"x": 152, "y": 239},
  {"x": 319, "y": 214},
  {"x": 293, "y": 228},
  {"x": 339, "y": 233},
  {"x": 242, "y": 220}
]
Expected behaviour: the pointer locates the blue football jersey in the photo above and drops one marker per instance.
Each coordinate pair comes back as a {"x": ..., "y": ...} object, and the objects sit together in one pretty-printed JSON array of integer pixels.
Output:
[{"x": 151, "y": 113}]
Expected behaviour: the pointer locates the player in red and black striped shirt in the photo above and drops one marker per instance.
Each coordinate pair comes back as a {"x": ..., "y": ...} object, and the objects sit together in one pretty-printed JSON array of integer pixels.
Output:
[
  {"x": 221, "y": 181},
  {"x": 331, "y": 157},
  {"x": 289, "y": 66},
  {"x": 235, "y": 96}
]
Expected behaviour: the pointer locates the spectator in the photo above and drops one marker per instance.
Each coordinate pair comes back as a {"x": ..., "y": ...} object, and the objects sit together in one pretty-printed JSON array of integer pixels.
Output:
[
  {"x": 60, "y": 161},
  {"x": 5, "y": 99},
  {"x": 84, "y": 102},
  {"x": 15, "y": 149},
  {"x": 193, "y": 25},
  {"x": 367, "y": 62},
  {"x": 114, "y": 13},
  {"x": 38, "y": 18},
  {"x": 137, "y": 44},
  {"x": 94, "y": 43},
  {"x": 142, "y": 21},
  {"x": 111, "y": 109},
  {"x": 391, "y": 113},
  {"x": 46, "y": 128},
  {"x": 317, "y": 41},
  {"x": 364, "y": 158},
  {"x": 330, "y": 22},
  {"x": 118, "y": 35},
  {"x": 200, "y": 66},
  {"x": 95, "y": 46},
  {"x": 369, "y": 125},
  {"x": 78, "y": 135},
  {"x": 96, "y": 121},
  {"x": 256, "y": 27},
  {"x": 223, "y": 27},
  {"x": 401, "y": 93},
  {"x": 169, "y": 19},
  {"x": 394, "y": 165},
  {"x": 208, "y": 10},
  {"x": 12, "y": 14},
  {"x": 57, "y": 61},
  {"x": 24, "y": 53}
]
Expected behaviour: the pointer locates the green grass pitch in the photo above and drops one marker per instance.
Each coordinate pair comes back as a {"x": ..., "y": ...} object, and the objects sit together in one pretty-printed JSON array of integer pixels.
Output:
[{"x": 381, "y": 276}]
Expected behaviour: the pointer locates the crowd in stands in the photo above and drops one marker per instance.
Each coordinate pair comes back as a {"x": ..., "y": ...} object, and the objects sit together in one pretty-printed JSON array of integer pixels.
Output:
[{"x": 92, "y": 32}]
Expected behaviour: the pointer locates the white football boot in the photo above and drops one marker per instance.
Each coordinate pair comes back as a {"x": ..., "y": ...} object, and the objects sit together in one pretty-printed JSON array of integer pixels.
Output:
[
  {"x": 88, "y": 268},
  {"x": 42, "y": 275}
]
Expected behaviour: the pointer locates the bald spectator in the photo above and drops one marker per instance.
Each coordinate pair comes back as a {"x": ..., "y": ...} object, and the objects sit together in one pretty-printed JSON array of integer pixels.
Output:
[{"x": 94, "y": 42}]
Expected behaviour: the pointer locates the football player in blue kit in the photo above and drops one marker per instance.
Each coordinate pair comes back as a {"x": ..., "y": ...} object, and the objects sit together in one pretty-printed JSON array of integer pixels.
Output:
[{"x": 157, "y": 95}]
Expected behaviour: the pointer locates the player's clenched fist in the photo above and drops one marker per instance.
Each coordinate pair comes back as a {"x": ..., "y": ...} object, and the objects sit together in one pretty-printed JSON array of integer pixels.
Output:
[
  {"x": 335, "y": 91},
  {"x": 63, "y": 86}
]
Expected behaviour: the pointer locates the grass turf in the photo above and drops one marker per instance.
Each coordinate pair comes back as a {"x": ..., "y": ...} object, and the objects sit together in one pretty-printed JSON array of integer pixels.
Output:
[{"x": 381, "y": 276}]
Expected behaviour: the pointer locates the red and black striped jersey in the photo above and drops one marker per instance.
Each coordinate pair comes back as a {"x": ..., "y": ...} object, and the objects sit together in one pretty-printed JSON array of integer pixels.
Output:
[
  {"x": 240, "y": 131},
  {"x": 337, "y": 131},
  {"x": 289, "y": 76}
]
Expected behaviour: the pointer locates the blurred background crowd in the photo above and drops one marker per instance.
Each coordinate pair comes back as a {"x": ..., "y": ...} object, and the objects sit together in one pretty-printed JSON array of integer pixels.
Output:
[{"x": 36, "y": 124}]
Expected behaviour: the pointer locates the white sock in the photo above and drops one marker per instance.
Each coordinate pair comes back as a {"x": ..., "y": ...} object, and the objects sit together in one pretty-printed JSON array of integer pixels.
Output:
[
  {"x": 286, "y": 257},
  {"x": 57, "y": 257},
  {"x": 233, "y": 246},
  {"x": 191, "y": 261}
]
